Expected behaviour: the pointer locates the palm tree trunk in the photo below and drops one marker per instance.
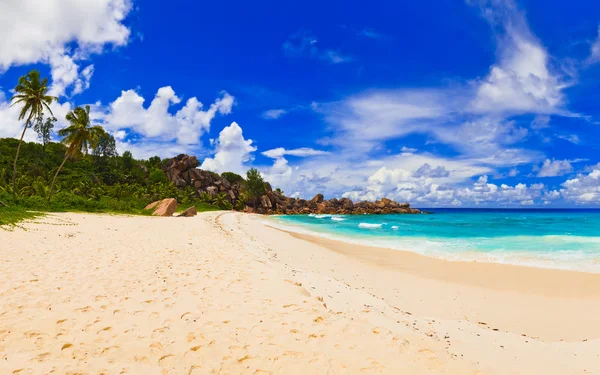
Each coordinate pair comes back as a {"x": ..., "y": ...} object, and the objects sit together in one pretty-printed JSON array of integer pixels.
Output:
[
  {"x": 56, "y": 174},
  {"x": 14, "y": 181}
]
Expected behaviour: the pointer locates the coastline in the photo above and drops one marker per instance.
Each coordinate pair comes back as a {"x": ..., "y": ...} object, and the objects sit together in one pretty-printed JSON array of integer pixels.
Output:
[
  {"x": 545, "y": 281},
  {"x": 222, "y": 291},
  {"x": 448, "y": 249}
]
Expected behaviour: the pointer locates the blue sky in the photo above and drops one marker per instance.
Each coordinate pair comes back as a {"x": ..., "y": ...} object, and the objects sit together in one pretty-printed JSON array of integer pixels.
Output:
[{"x": 440, "y": 103}]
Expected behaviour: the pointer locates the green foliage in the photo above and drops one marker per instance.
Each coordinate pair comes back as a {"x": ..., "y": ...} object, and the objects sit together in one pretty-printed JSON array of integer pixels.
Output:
[
  {"x": 128, "y": 161},
  {"x": 85, "y": 185},
  {"x": 233, "y": 178},
  {"x": 30, "y": 95},
  {"x": 255, "y": 185},
  {"x": 157, "y": 176},
  {"x": 154, "y": 162},
  {"x": 9, "y": 216},
  {"x": 279, "y": 191},
  {"x": 44, "y": 129},
  {"x": 241, "y": 202},
  {"x": 105, "y": 148},
  {"x": 78, "y": 137}
]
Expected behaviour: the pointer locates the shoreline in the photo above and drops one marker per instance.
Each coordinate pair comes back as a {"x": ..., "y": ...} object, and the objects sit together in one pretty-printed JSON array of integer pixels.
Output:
[
  {"x": 516, "y": 299},
  {"x": 542, "y": 281},
  {"x": 508, "y": 258}
]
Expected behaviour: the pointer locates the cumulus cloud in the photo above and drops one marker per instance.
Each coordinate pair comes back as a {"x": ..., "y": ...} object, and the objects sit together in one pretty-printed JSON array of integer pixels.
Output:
[
  {"x": 232, "y": 151},
  {"x": 186, "y": 126},
  {"x": 427, "y": 171},
  {"x": 11, "y": 127},
  {"x": 58, "y": 33},
  {"x": 552, "y": 168},
  {"x": 583, "y": 189},
  {"x": 481, "y": 192},
  {"x": 305, "y": 44}
]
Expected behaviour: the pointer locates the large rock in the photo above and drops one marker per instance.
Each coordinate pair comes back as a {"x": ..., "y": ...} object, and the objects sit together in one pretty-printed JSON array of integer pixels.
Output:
[
  {"x": 265, "y": 202},
  {"x": 189, "y": 212},
  {"x": 165, "y": 207},
  {"x": 212, "y": 190},
  {"x": 318, "y": 198},
  {"x": 347, "y": 203}
]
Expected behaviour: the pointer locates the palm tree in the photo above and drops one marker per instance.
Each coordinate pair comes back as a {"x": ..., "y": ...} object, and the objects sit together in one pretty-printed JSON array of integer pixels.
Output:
[
  {"x": 30, "y": 92},
  {"x": 78, "y": 136}
]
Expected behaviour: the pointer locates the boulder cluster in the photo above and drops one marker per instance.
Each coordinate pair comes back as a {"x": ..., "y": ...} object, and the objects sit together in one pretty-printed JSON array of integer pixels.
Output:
[
  {"x": 273, "y": 202},
  {"x": 182, "y": 171}
]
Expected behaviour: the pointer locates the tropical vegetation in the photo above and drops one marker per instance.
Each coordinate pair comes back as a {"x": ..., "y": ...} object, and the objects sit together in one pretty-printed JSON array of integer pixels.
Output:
[{"x": 84, "y": 172}]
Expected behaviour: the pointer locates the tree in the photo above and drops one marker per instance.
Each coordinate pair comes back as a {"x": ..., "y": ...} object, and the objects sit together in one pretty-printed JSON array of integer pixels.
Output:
[
  {"x": 105, "y": 148},
  {"x": 154, "y": 162},
  {"x": 255, "y": 185},
  {"x": 31, "y": 94},
  {"x": 233, "y": 178},
  {"x": 44, "y": 129},
  {"x": 128, "y": 161},
  {"x": 78, "y": 136}
]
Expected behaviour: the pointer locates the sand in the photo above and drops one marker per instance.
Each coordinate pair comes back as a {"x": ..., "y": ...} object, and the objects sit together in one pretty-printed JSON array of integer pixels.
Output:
[{"x": 224, "y": 293}]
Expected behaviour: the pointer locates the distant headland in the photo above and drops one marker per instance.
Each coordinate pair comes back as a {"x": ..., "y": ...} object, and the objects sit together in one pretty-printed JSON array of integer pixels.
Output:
[{"x": 183, "y": 172}]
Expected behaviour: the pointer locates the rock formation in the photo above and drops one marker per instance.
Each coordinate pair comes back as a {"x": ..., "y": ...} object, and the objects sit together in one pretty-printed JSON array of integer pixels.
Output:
[
  {"x": 188, "y": 212},
  {"x": 165, "y": 207},
  {"x": 182, "y": 171}
]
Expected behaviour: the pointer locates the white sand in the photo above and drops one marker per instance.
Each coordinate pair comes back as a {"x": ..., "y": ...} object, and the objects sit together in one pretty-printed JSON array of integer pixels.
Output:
[{"x": 221, "y": 293}]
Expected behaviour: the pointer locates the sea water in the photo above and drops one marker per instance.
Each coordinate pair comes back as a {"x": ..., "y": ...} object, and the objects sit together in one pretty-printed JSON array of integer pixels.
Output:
[{"x": 564, "y": 239}]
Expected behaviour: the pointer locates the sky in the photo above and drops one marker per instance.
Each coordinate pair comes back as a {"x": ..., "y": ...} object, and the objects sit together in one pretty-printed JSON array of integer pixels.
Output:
[{"x": 441, "y": 103}]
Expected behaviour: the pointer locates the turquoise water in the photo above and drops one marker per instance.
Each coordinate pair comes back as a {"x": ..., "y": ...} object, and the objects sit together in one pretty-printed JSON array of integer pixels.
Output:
[{"x": 566, "y": 239}]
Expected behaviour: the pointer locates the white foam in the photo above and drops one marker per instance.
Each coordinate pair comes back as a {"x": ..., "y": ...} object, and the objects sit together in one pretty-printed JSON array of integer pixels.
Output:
[
  {"x": 467, "y": 250},
  {"x": 369, "y": 225},
  {"x": 337, "y": 218},
  {"x": 394, "y": 227}
]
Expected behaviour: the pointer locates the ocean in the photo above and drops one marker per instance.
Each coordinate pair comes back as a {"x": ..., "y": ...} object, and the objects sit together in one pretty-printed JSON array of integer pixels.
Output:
[{"x": 557, "y": 238}]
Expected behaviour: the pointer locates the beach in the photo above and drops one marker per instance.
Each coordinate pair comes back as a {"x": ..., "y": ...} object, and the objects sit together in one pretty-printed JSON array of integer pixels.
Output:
[{"x": 228, "y": 293}]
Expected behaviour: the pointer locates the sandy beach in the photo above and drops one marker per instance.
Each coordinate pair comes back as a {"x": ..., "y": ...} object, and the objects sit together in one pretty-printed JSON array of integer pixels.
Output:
[{"x": 226, "y": 293}]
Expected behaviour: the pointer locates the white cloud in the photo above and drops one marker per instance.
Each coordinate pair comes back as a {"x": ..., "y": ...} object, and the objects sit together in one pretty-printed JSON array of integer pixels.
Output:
[
  {"x": 521, "y": 81},
  {"x": 58, "y": 32},
  {"x": 408, "y": 150},
  {"x": 595, "y": 50},
  {"x": 583, "y": 189},
  {"x": 552, "y": 168},
  {"x": 573, "y": 138},
  {"x": 273, "y": 114},
  {"x": 427, "y": 193},
  {"x": 10, "y": 126},
  {"x": 540, "y": 122},
  {"x": 301, "y": 152},
  {"x": 427, "y": 171},
  {"x": 232, "y": 151},
  {"x": 186, "y": 126}
]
